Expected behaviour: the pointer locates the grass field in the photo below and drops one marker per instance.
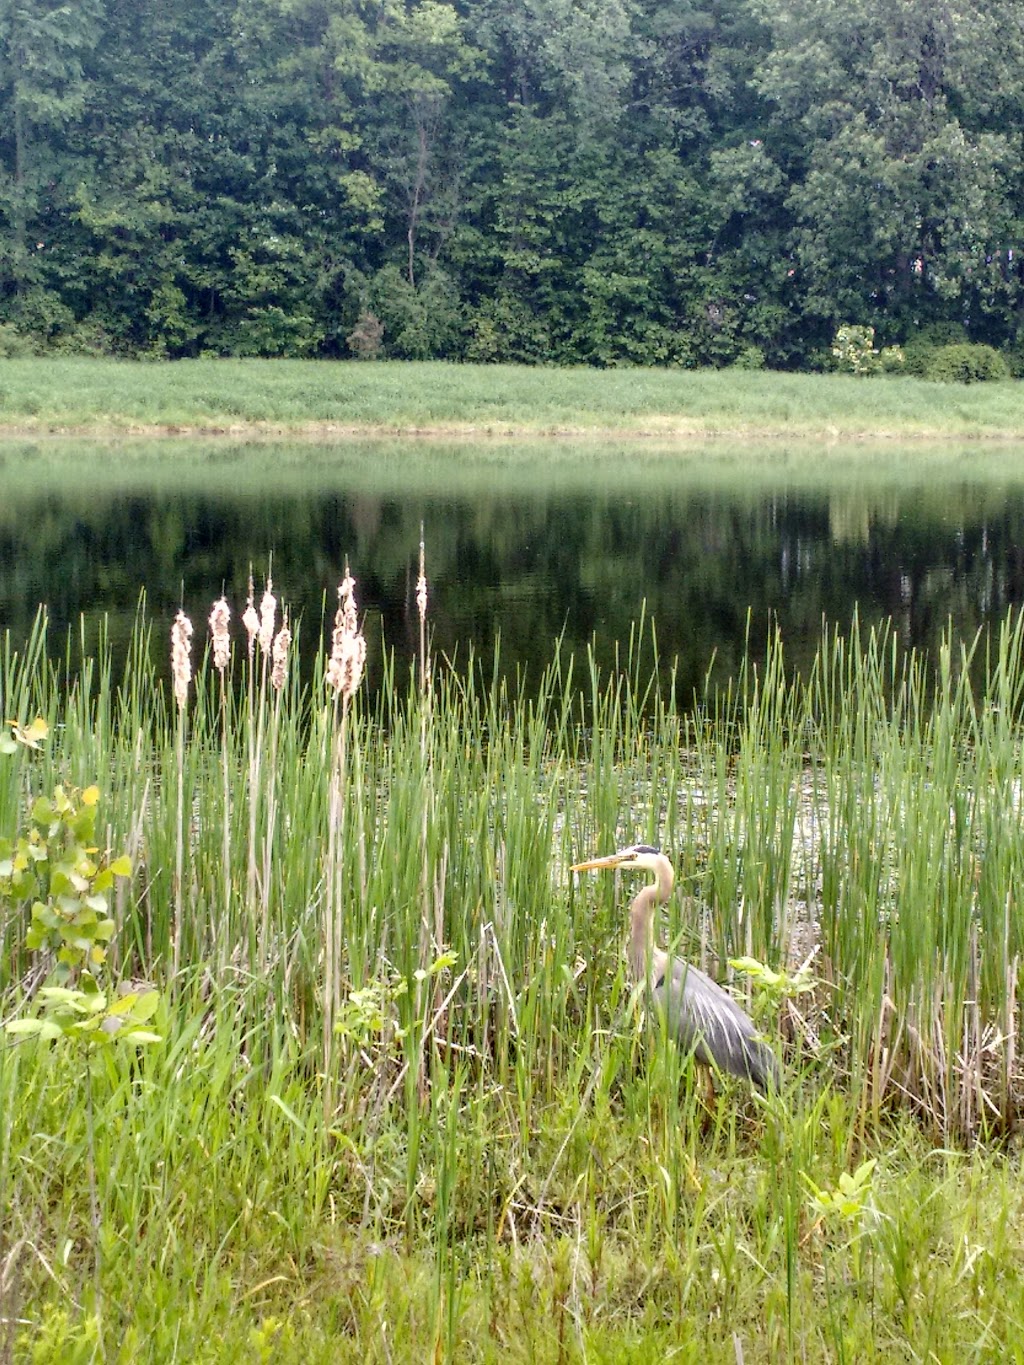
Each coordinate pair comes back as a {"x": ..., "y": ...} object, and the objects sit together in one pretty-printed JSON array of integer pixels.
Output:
[
  {"x": 396, "y": 1101},
  {"x": 329, "y": 400}
]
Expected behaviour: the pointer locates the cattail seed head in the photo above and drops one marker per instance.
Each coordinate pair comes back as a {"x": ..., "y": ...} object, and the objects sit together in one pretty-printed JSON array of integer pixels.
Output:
[
  {"x": 282, "y": 643},
  {"x": 348, "y": 647},
  {"x": 219, "y": 618},
  {"x": 250, "y": 620},
  {"x": 268, "y": 610},
  {"x": 421, "y": 586},
  {"x": 181, "y": 663}
]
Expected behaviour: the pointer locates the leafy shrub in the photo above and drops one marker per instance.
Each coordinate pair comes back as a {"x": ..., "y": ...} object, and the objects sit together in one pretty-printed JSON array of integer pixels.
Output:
[
  {"x": 274, "y": 331},
  {"x": 13, "y": 343},
  {"x": 853, "y": 349},
  {"x": 504, "y": 329},
  {"x": 922, "y": 344},
  {"x": 966, "y": 363},
  {"x": 366, "y": 339},
  {"x": 421, "y": 321},
  {"x": 1014, "y": 357},
  {"x": 892, "y": 360},
  {"x": 88, "y": 337},
  {"x": 750, "y": 358}
]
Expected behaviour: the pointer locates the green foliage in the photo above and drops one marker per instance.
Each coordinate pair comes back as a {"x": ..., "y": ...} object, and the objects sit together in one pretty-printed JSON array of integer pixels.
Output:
[
  {"x": 54, "y": 868},
  {"x": 13, "y": 343},
  {"x": 750, "y": 358},
  {"x": 498, "y": 1136},
  {"x": 620, "y": 184},
  {"x": 853, "y": 350},
  {"x": 964, "y": 363},
  {"x": 418, "y": 320},
  {"x": 922, "y": 342}
]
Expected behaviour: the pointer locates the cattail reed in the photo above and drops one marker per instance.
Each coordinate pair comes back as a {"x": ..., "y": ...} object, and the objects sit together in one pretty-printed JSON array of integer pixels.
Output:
[
  {"x": 181, "y": 660},
  {"x": 428, "y": 886},
  {"x": 421, "y": 608},
  {"x": 278, "y": 678},
  {"x": 282, "y": 643},
  {"x": 181, "y": 673},
  {"x": 220, "y": 638},
  {"x": 344, "y": 674},
  {"x": 268, "y": 612},
  {"x": 348, "y": 646},
  {"x": 251, "y": 620}
]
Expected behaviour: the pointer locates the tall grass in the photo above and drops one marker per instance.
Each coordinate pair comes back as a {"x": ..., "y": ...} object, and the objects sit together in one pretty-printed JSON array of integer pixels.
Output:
[
  {"x": 424, "y": 397},
  {"x": 486, "y": 1128}
]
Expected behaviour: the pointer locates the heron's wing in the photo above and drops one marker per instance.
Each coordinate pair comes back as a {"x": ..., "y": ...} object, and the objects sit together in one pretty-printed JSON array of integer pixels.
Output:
[{"x": 705, "y": 1017}]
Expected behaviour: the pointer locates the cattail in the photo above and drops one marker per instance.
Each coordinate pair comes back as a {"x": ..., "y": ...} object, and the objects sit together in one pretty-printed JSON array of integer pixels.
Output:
[
  {"x": 421, "y": 584},
  {"x": 250, "y": 620},
  {"x": 219, "y": 618},
  {"x": 268, "y": 610},
  {"x": 282, "y": 643},
  {"x": 181, "y": 665},
  {"x": 348, "y": 647}
]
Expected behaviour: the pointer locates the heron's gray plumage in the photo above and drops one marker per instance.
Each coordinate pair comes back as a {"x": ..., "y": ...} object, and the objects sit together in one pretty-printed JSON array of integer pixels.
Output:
[{"x": 701, "y": 1015}]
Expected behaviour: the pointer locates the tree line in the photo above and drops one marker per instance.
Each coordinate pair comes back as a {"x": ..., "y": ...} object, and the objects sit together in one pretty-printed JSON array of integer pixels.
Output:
[{"x": 596, "y": 182}]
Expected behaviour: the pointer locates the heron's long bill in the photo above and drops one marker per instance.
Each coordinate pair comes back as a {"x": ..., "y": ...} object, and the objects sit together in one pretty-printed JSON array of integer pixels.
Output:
[{"x": 610, "y": 860}]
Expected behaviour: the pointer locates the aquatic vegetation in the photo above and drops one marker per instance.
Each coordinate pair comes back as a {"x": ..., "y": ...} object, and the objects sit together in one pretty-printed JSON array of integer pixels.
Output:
[{"x": 398, "y": 1098}]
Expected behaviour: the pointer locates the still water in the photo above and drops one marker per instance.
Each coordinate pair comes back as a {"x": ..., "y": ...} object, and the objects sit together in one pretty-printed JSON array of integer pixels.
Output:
[{"x": 523, "y": 544}]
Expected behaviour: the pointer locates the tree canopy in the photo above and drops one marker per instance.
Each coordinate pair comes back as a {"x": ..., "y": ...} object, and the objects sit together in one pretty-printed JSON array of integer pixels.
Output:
[{"x": 571, "y": 181}]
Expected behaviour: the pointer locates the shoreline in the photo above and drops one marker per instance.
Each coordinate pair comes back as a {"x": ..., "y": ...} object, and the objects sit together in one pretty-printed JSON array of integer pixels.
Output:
[{"x": 668, "y": 429}]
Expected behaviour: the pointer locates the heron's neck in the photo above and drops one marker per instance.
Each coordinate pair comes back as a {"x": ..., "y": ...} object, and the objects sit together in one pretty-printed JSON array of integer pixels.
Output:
[{"x": 641, "y": 948}]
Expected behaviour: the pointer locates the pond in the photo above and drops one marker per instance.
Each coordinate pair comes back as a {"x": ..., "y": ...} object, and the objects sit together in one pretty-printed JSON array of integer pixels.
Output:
[{"x": 524, "y": 544}]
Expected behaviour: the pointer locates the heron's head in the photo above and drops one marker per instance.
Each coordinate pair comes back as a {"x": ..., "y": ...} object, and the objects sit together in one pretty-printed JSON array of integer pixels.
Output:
[{"x": 637, "y": 855}]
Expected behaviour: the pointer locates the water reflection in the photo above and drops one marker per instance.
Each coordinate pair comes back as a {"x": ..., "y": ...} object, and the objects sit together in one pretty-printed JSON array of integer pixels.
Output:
[{"x": 525, "y": 544}]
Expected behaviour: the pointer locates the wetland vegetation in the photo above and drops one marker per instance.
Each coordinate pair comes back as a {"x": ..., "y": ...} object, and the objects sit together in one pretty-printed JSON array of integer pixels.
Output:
[
  {"x": 395, "y": 1101},
  {"x": 334, "y": 399}
]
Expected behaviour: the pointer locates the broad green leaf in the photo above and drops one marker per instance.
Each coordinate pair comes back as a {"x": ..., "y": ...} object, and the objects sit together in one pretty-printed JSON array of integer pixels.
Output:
[
  {"x": 60, "y": 995},
  {"x": 148, "y": 1004},
  {"x": 91, "y": 795},
  {"x": 121, "y": 867}
]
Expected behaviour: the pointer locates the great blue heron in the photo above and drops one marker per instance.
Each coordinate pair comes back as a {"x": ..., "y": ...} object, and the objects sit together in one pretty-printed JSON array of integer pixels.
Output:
[{"x": 701, "y": 1015}]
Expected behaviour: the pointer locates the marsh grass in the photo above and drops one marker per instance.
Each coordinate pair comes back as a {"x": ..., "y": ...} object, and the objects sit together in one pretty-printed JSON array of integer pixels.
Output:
[
  {"x": 492, "y": 1160},
  {"x": 230, "y": 395}
]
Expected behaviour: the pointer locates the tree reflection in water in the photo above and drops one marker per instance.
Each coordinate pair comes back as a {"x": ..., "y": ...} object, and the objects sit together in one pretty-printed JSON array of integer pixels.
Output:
[{"x": 528, "y": 547}]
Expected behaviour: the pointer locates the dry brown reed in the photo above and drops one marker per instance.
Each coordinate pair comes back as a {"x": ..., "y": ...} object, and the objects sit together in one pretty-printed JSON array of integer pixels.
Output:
[
  {"x": 348, "y": 646},
  {"x": 268, "y": 614},
  {"x": 181, "y": 673},
  {"x": 344, "y": 674},
  {"x": 220, "y": 637},
  {"x": 181, "y": 658},
  {"x": 282, "y": 644}
]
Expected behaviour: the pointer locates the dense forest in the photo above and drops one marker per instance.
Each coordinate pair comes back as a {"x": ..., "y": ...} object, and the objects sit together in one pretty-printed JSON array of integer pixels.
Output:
[{"x": 594, "y": 182}]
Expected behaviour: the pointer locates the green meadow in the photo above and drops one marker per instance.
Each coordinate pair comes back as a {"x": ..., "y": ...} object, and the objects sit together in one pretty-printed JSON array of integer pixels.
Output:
[
  {"x": 316, "y": 1051},
  {"x": 330, "y": 399}
]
